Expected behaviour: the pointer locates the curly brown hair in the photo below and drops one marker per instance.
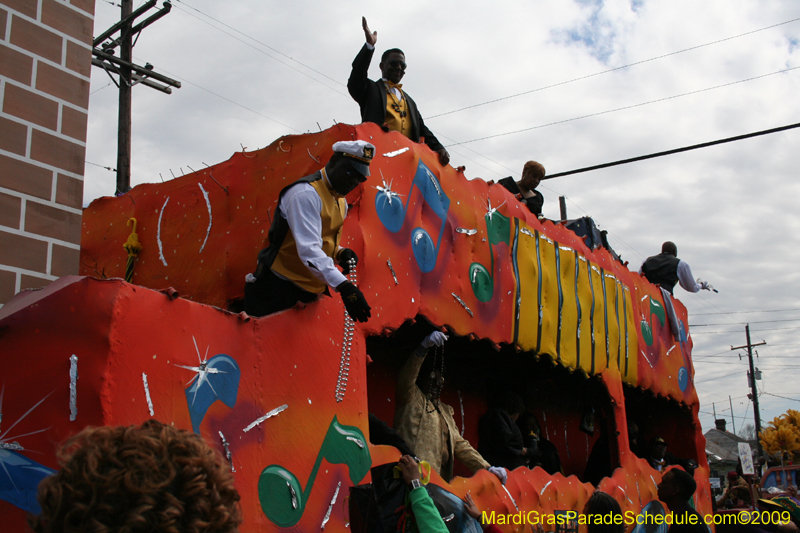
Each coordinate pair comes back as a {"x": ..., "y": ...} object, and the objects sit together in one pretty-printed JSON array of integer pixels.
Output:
[{"x": 148, "y": 479}]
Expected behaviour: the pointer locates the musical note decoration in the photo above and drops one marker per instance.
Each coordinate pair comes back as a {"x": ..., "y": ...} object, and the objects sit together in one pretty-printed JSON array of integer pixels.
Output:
[
  {"x": 284, "y": 500},
  {"x": 655, "y": 308},
  {"x": 216, "y": 379},
  {"x": 498, "y": 229},
  {"x": 392, "y": 214},
  {"x": 20, "y": 476},
  {"x": 19, "y": 479}
]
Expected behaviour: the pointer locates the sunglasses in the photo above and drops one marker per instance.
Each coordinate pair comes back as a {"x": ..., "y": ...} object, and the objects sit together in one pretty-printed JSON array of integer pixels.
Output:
[{"x": 394, "y": 63}]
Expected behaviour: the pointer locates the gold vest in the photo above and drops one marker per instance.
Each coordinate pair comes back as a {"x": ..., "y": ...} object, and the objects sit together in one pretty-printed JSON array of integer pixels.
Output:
[
  {"x": 394, "y": 120},
  {"x": 289, "y": 265}
]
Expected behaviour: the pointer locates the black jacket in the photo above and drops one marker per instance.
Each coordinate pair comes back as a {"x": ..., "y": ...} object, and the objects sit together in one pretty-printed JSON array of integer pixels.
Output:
[
  {"x": 499, "y": 440},
  {"x": 534, "y": 203},
  {"x": 371, "y": 98}
]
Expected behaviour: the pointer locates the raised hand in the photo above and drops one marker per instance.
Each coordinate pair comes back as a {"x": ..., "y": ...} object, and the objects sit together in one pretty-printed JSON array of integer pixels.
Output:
[{"x": 372, "y": 37}]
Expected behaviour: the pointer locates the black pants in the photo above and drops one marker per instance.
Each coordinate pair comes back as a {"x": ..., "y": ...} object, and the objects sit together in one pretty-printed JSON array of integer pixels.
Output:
[{"x": 270, "y": 294}]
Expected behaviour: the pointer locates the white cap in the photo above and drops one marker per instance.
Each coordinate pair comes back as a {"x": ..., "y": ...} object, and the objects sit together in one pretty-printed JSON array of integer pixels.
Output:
[{"x": 359, "y": 153}]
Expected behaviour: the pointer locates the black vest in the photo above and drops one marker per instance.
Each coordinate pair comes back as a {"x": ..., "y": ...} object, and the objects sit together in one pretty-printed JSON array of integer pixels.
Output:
[{"x": 662, "y": 270}]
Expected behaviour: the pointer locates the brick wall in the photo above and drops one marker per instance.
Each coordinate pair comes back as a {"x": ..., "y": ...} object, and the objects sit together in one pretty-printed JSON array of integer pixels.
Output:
[{"x": 45, "y": 63}]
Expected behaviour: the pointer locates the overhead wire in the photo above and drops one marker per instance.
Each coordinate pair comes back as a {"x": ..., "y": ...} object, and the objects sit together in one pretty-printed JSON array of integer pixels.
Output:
[
  {"x": 750, "y": 322},
  {"x": 756, "y": 311},
  {"x": 611, "y": 69},
  {"x": 624, "y": 108},
  {"x": 260, "y": 50}
]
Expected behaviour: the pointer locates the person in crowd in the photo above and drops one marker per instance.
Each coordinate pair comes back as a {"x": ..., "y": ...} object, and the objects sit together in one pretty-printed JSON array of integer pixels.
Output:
[
  {"x": 500, "y": 441},
  {"x": 300, "y": 262},
  {"x": 426, "y": 516},
  {"x": 384, "y": 102},
  {"x": 472, "y": 510},
  {"x": 665, "y": 270},
  {"x": 635, "y": 440},
  {"x": 525, "y": 189},
  {"x": 657, "y": 454},
  {"x": 541, "y": 452},
  {"x": 737, "y": 493},
  {"x": 675, "y": 490},
  {"x": 602, "y": 505},
  {"x": 427, "y": 424},
  {"x": 148, "y": 479},
  {"x": 659, "y": 458},
  {"x": 604, "y": 458},
  {"x": 381, "y": 434}
]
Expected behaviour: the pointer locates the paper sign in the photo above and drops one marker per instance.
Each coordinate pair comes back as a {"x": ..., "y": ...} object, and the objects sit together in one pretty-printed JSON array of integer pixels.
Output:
[{"x": 746, "y": 457}]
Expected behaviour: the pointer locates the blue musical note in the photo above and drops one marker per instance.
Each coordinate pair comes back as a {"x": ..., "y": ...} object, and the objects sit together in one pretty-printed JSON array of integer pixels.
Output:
[
  {"x": 392, "y": 215},
  {"x": 19, "y": 479},
  {"x": 216, "y": 379}
]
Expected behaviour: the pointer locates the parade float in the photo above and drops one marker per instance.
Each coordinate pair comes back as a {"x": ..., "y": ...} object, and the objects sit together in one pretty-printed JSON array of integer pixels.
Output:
[{"x": 527, "y": 304}]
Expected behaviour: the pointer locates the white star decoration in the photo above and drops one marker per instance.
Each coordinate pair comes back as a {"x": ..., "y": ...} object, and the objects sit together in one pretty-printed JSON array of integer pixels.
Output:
[
  {"x": 13, "y": 445},
  {"x": 202, "y": 371},
  {"x": 389, "y": 194},
  {"x": 491, "y": 210}
]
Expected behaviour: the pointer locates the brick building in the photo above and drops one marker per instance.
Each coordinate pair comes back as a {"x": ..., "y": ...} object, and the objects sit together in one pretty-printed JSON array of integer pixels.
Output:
[{"x": 45, "y": 63}]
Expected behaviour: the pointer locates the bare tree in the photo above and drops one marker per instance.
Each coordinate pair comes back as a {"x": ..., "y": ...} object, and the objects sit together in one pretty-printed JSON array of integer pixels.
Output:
[{"x": 748, "y": 432}]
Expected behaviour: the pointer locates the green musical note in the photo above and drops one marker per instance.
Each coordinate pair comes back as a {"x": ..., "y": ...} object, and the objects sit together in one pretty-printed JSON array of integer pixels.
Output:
[
  {"x": 282, "y": 497},
  {"x": 498, "y": 229},
  {"x": 655, "y": 309}
]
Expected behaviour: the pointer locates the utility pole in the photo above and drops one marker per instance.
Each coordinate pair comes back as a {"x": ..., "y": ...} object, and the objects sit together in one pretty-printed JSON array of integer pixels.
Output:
[
  {"x": 733, "y": 418},
  {"x": 128, "y": 75},
  {"x": 753, "y": 389},
  {"x": 562, "y": 203}
]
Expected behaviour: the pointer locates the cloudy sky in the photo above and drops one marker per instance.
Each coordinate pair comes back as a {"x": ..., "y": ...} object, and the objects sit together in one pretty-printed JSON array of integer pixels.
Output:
[{"x": 571, "y": 83}]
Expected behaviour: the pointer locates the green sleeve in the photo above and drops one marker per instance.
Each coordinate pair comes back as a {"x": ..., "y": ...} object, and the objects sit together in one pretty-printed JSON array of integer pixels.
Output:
[{"x": 425, "y": 513}]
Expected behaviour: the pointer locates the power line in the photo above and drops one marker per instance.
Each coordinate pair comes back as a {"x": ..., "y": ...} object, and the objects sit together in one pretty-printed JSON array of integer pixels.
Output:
[
  {"x": 741, "y": 312},
  {"x": 756, "y": 322},
  {"x": 717, "y": 377},
  {"x": 678, "y": 150},
  {"x": 184, "y": 80},
  {"x": 784, "y": 397},
  {"x": 101, "y": 166},
  {"x": 266, "y": 45},
  {"x": 733, "y": 331},
  {"x": 262, "y": 51},
  {"x": 609, "y": 70},
  {"x": 621, "y": 109}
]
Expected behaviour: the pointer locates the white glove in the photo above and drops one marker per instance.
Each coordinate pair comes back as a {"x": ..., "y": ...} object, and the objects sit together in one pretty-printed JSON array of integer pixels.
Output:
[
  {"x": 437, "y": 338},
  {"x": 704, "y": 286},
  {"x": 500, "y": 472}
]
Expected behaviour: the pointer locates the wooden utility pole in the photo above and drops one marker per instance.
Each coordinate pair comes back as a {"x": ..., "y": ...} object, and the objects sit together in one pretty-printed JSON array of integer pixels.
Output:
[
  {"x": 753, "y": 389},
  {"x": 128, "y": 74},
  {"x": 125, "y": 90}
]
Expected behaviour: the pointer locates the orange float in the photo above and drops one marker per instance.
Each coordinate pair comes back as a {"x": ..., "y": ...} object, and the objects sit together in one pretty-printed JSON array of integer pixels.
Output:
[{"x": 527, "y": 303}]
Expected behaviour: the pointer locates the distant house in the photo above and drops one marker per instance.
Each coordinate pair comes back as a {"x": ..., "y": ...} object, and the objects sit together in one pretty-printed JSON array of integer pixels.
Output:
[{"x": 722, "y": 448}]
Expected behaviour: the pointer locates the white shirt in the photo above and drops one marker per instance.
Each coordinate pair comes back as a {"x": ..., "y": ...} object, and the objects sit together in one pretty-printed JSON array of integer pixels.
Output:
[{"x": 301, "y": 206}]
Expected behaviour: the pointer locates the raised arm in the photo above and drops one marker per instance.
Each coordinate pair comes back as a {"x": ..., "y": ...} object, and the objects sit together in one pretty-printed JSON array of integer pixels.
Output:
[
  {"x": 687, "y": 279},
  {"x": 372, "y": 37},
  {"x": 357, "y": 82},
  {"x": 407, "y": 377}
]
